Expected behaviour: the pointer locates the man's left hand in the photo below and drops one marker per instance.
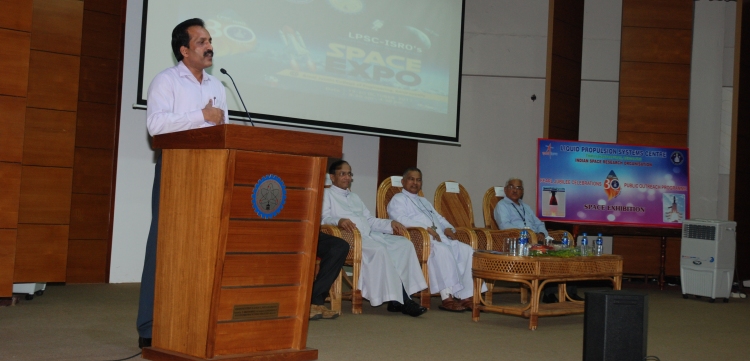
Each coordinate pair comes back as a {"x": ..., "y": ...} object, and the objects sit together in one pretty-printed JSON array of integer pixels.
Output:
[
  {"x": 398, "y": 228},
  {"x": 450, "y": 234}
]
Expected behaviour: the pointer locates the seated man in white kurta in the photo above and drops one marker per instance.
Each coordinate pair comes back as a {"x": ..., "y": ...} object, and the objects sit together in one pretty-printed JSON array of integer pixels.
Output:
[
  {"x": 449, "y": 265},
  {"x": 390, "y": 267}
]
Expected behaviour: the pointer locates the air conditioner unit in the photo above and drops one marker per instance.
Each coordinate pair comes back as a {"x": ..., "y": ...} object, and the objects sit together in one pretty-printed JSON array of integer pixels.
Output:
[{"x": 707, "y": 258}]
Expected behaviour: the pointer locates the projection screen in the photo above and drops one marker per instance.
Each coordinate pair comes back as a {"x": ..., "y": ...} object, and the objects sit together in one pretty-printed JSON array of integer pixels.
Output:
[{"x": 381, "y": 67}]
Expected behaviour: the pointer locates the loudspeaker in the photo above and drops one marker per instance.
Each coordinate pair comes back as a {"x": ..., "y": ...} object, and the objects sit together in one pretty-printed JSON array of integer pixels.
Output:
[{"x": 615, "y": 326}]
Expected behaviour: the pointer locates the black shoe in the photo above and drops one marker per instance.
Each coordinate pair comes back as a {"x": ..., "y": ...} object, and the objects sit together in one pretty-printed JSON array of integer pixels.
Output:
[
  {"x": 413, "y": 309},
  {"x": 576, "y": 297},
  {"x": 144, "y": 342},
  {"x": 394, "y": 306},
  {"x": 550, "y": 298}
]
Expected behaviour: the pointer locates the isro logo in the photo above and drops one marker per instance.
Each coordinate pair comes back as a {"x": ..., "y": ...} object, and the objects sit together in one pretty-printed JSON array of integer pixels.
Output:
[{"x": 549, "y": 151}]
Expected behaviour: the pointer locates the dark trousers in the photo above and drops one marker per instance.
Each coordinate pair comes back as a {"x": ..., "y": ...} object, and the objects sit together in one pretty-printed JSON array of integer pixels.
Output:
[
  {"x": 332, "y": 252},
  {"x": 146, "y": 301}
]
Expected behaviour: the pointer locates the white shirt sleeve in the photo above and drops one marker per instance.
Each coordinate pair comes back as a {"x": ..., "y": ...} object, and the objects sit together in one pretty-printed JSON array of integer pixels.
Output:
[{"x": 161, "y": 115}]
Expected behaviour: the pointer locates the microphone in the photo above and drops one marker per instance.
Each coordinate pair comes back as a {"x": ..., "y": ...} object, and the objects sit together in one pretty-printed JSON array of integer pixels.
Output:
[{"x": 238, "y": 94}]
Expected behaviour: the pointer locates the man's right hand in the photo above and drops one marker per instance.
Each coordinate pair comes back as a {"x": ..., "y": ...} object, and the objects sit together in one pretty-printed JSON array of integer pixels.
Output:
[
  {"x": 346, "y": 224},
  {"x": 213, "y": 115},
  {"x": 434, "y": 234}
]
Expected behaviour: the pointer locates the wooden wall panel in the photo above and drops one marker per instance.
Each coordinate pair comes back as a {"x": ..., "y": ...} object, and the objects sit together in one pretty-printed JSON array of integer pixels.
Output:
[
  {"x": 7, "y": 261},
  {"x": 654, "y": 80},
  {"x": 87, "y": 261},
  {"x": 10, "y": 194},
  {"x": 668, "y": 14},
  {"x": 56, "y": 26},
  {"x": 19, "y": 18},
  {"x": 89, "y": 216},
  {"x": 92, "y": 172},
  {"x": 45, "y": 195},
  {"x": 655, "y": 60},
  {"x": 641, "y": 255},
  {"x": 14, "y": 60},
  {"x": 95, "y": 126},
  {"x": 674, "y": 255},
  {"x": 99, "y": 79},
  {"x": 652, "y": 139},
  {"x": 394, "y": 156},
  {"x": 41, "y": 253},
  {"x": 653, "y": 115},
  {"x": 563, "y": 86},
  {"x": 657, "y": 45},
  {"x": 49, "y": 138},
  {"x": 53, "y": 81},
  {"x": 105, "y": 6},
  {"x": 12, "y": 114},
  {"x": 97, "y": 35}
]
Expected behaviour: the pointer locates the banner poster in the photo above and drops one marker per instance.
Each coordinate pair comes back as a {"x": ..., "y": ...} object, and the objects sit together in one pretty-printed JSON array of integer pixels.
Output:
[{"x": 605, "y": 183}]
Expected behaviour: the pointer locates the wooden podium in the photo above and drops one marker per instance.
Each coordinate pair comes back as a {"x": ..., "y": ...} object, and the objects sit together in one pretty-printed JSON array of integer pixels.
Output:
[{"x": 232, "y": 282}]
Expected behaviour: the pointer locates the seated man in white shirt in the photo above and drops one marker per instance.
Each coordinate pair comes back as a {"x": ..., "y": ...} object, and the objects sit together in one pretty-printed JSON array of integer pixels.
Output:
[
  {"x": 512, "y": 212},
  {"x": 390, "y": 267},
  {"x": 449, "y": 265}
]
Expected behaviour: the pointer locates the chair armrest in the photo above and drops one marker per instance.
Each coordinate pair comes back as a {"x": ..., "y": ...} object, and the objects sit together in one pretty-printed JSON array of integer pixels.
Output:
[
  {"x": 353, "y": 238},
  {"x": 468, "y": 235},
  {"x": 421, "y": 240},
  {"x": 498, "y": 238}
]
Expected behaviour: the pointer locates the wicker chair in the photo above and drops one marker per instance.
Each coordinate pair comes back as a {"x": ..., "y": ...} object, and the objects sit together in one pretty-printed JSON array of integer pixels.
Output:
[
  {"x": 457, "y": 209},
  {"x": 418, "y": 236},
  {"x": 353, "y": 259}
]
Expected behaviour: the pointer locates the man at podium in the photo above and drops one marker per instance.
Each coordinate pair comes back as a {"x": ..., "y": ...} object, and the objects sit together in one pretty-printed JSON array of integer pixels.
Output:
[
  {"x": 180, "y": 98},
  {"x": 390, "y": 268}
]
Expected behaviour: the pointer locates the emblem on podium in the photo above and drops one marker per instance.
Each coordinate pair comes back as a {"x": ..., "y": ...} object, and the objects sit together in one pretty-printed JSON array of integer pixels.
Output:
[{"x": 269, "y": 196}]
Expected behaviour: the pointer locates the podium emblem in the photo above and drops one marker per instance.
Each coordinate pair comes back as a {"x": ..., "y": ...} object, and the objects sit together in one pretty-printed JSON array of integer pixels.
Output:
[{"x": 269, "y": 196}]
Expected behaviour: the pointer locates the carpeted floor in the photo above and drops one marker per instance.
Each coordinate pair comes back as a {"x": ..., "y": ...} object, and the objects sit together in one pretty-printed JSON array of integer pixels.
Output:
[{"x": 97, "y": 322}]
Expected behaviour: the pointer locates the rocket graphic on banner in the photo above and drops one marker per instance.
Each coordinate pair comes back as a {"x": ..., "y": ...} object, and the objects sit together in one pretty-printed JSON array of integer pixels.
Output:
[{"x": 612, "y": 185}]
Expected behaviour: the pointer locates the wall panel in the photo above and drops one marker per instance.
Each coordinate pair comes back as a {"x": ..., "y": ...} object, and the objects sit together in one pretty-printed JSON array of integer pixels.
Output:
[
  {"x": 92, "y": 172},
  {"x": 53, "y": 81},
  {"x": 95, "y": 126},
  {"x": 655, "y": 80},
  {"x": 49, "y": 138},
  {"x": 14, "y": 60},
  {"x": 19, "y": 18},
  {"x": 45, "y": 195},
  {"x": 56, "y": 26},
  {"x": 97, "y": 35},
  {"x": 7, "y": 261},
  {"x": 41, "y": 253},
  {"x": 666, "y": 14},
  {"x": 105, "y": 6},
  {"x": 87, "y": 261},
  {"x": 12, "y": 114},
  {"x": 10, "y": 193},
  {"x": 99, "y": 79},
  {"x": 653, "y": 115},
  {"x": 89, "y": 216},
  {"x": 656, "y": 45}
]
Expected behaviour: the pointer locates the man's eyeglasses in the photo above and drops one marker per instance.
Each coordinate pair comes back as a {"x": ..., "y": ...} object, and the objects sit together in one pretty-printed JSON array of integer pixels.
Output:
[
  {"x": 512, "y": 187},
  {"x": 341, "y": 174}
]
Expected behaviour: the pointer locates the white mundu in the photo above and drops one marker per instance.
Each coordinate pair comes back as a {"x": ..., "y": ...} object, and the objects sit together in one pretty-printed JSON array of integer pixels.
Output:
[
  {"x": 449, "y": 265},
  {"x": 388, "y": 261}
]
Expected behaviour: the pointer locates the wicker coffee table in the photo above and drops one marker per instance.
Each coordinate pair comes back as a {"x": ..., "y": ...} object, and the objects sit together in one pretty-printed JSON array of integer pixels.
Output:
[{"x": 535, "y": 273}]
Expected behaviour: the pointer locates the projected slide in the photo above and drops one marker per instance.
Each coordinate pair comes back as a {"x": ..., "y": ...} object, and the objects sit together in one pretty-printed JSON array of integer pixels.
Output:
[
  {"x": 362, "y": 64},
  {"x": 612, "y": 183}
]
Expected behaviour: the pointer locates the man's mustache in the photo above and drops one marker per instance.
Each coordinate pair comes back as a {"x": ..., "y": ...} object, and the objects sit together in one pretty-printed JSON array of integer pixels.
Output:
[{"x": 209, "y": 52}]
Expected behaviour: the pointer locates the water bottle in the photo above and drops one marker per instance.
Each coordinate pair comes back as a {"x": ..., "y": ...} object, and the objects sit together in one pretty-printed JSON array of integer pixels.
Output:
[
  {"x": 523, "y": 243},
  {"x": 599, "y": 250},
  {"x": 565, "y": 240},
  {"x": 584, "y": 245}
]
